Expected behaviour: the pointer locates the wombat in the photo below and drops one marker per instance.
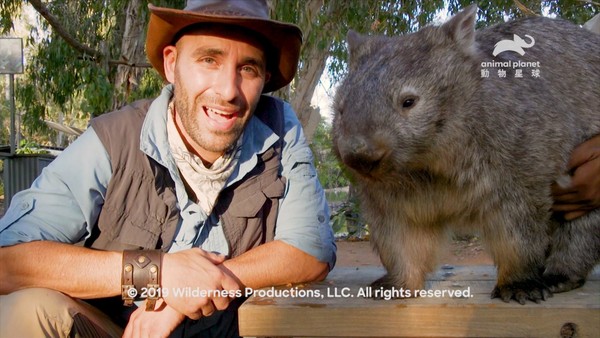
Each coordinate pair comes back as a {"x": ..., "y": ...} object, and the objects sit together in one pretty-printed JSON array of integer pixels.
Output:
[{"x": 438, "y": 133}]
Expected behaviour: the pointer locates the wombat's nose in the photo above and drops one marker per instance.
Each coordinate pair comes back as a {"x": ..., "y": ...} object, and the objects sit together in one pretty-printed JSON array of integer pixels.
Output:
[
  {"x": 363, "y": 157},
  {"x": 362, "y": 163}
]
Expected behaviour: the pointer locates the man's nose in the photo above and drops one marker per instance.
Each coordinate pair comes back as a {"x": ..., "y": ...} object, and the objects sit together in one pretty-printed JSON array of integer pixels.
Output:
[{"x": 226, "y": 84}]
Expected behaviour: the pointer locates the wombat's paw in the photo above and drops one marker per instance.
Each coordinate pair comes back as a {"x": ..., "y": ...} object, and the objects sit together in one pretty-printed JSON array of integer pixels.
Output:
[
  {"x": 387, "y": 288},
  {"x": 522, "y": 291},
  {"x": 561, "y": 283}
]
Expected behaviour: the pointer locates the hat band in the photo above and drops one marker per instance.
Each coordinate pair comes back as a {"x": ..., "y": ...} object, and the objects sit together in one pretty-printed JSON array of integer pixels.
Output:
[{"x": 228, "y": 13}]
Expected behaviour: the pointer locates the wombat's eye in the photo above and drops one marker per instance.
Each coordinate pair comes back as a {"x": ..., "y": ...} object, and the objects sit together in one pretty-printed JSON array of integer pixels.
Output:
[{"x": 408, "y": 103}]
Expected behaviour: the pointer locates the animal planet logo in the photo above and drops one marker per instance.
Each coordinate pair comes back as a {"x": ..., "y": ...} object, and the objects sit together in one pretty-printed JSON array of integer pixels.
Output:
[{"x": 516, "y": 45}]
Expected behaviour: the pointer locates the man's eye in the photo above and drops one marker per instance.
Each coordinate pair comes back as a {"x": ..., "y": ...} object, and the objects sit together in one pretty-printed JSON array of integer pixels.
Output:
[{"x": 249, "y": 69}]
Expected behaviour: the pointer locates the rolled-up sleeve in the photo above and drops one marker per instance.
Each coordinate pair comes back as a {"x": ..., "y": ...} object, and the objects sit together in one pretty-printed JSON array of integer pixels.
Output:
[
  {"x": 303, "y": 219},
  {"x": 63, "y": 203}
]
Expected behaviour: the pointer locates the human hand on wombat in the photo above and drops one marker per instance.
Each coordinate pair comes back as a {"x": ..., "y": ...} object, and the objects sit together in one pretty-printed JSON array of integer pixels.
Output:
[{"x": 583, "y": 192}]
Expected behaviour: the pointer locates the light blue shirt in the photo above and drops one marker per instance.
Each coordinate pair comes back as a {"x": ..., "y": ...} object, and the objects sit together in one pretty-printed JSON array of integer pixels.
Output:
[{"x": 64, "y": 202}]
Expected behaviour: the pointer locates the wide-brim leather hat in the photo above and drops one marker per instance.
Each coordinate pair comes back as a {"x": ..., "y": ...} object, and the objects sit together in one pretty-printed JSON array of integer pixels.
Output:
[{"x": 285, "y": 39}]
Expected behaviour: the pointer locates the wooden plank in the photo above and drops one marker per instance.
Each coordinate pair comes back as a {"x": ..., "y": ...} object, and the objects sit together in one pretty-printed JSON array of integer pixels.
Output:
[{"x": 337, "y": 307}]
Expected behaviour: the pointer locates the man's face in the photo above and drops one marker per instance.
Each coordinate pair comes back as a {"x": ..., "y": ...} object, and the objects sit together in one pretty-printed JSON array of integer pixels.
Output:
[{"x": 218, "y": 77}]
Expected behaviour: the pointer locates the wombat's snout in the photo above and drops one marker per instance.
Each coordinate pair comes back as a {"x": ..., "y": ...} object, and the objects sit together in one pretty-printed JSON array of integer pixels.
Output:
[{"x": 361, "y": 155}]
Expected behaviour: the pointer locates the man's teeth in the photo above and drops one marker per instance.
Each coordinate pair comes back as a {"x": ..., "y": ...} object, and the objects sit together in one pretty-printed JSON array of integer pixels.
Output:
[{"x": 212, "y": 111}]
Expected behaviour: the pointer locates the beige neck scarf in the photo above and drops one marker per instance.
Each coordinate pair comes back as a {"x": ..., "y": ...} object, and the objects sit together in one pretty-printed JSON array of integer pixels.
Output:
[{"x": 205, "y": 183}]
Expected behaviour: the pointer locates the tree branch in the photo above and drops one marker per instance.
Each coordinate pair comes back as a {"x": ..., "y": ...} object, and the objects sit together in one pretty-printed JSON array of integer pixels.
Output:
[
  {"x": 524, "y": 8},
  {"x": 125, "y": 63},
  {"x": 590, "y": 2},
  {"x": 69, "y": 39},
  {"x": 95, "y": 55}
]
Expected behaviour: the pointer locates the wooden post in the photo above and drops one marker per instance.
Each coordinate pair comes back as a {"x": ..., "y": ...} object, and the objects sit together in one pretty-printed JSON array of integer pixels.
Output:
[{"x": 13, "y": 114}]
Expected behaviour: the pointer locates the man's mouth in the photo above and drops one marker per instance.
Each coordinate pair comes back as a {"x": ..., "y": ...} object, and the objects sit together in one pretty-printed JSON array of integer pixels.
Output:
[{"x": 219, "y": 119}]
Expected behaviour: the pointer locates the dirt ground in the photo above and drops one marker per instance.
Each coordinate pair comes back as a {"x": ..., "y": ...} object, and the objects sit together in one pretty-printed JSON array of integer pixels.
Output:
[{"x": 467, "y": 250}]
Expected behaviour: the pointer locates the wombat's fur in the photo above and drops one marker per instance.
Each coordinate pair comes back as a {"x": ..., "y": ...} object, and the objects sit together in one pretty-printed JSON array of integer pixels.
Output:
[{"x": 432, "y": 144}]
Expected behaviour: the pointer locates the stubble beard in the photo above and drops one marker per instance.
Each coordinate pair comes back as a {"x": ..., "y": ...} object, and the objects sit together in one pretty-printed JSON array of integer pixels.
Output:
[{"x": 214, "y": 141}]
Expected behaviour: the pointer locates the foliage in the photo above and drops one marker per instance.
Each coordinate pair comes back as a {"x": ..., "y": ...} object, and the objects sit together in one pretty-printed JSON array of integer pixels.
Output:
[
  {"x": 49, "y": 85},
  {"x": 328, "y": 168},
  {"x": 60, "y": 79},
  {"x": 9, "y": 10},
  {"x": 345, "y": 215},
  {"x": 4, "y": 115},
  {"x": 30, "y": 148},
  {"x": 150, "y": 85},
  {"x": 347, "y": 219},
  {"x": 378, "y": 17}
]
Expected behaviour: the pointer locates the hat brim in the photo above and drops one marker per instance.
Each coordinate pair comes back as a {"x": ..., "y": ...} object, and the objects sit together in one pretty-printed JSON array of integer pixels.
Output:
[{"x": 285, "y": 39}]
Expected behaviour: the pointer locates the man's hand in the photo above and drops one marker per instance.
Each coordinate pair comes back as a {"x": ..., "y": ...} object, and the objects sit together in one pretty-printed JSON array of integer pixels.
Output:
[
  {"x": 193, "y": 270},
  {"x": 583, "y": 194},
  {"x": 158, "y": 323}
]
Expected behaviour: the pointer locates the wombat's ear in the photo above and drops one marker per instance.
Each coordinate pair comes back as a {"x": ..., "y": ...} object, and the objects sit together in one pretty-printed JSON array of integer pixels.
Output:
[
  {"x": 357, "y": 47},
  {"x": 461, "y": 28}
]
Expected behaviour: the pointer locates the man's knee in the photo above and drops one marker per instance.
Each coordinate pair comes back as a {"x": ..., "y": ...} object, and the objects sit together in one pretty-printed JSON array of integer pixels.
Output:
[
  {"x": 36, "y": 311},
  {"x": 40, "y": 312}
]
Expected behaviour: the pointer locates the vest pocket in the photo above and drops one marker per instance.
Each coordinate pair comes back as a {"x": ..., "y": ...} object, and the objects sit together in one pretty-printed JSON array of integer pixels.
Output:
[
  {"x": 141, "y": 227},
  {"x": 251, "y": 205},
  {"x": 145, "y": 237},
  {"x": 248, "y": 207},
  {"x": 250, "y": 221}
]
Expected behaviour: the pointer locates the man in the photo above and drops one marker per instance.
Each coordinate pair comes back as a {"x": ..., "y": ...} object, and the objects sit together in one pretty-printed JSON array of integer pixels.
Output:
[{"x": 210, "y": 187}]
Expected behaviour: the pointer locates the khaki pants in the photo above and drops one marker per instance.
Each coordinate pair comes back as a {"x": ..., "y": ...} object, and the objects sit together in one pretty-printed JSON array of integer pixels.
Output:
[{"x": 48, "y": 313}]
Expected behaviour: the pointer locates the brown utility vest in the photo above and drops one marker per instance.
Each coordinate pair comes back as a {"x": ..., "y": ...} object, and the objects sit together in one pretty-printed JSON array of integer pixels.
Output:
[{"x": 140, "y": 207}]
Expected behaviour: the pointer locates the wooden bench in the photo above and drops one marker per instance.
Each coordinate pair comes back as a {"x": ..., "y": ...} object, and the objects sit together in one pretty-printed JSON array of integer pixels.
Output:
[{"x": 336, "y": 308}]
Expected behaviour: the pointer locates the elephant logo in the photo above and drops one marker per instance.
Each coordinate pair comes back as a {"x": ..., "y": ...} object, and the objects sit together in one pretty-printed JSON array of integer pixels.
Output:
[{"x": 516, "y": 45}]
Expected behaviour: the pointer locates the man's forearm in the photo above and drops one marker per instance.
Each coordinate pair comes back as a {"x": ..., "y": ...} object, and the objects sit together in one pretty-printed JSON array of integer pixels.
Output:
[
  {"x": 85, "y": 273},
  {"x": 275, "y": 263},
  {"x": 76, "y": 271}
]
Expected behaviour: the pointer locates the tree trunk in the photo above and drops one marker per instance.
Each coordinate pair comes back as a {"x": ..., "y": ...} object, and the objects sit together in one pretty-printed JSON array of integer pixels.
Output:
[
  {"x": 315, "y": 53},
  {"x": 305, "y": 87},
  {"x": 132, "y": 52}
]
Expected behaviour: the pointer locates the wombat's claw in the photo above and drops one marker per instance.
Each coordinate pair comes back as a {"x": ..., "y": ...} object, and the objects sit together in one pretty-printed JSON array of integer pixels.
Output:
[
  {"x": 385, "y": 283},
  {"x": 561, "y": 283},
  {"x": 522, "y": 292}
]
